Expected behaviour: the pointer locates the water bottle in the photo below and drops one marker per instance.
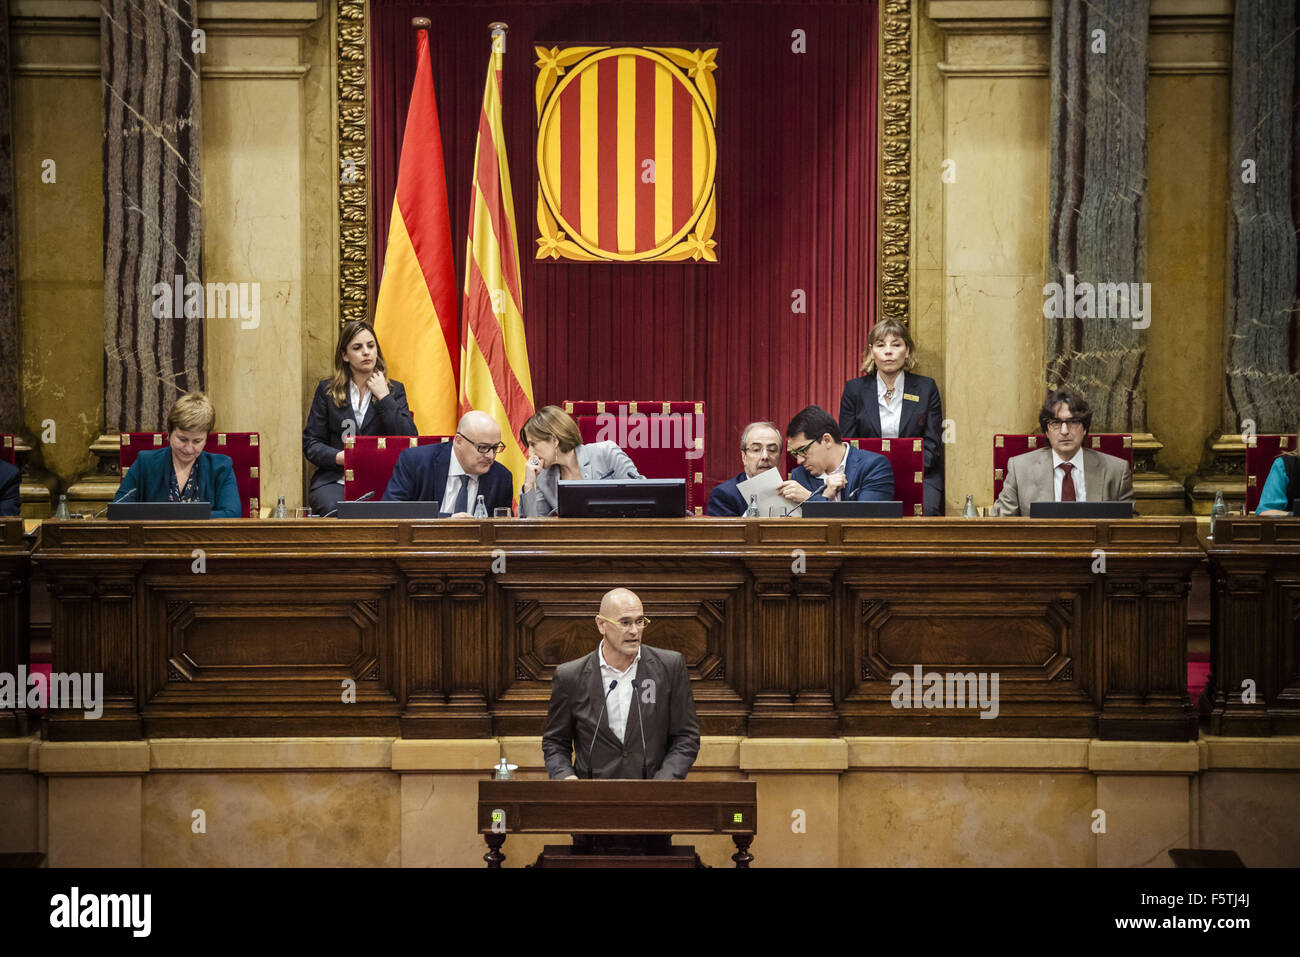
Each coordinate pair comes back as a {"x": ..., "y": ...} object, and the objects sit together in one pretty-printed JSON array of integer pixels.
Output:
[
  {"x": 61, "y": 513},
  {"x": 752, "y": 511},
  {"x": 503, "y": 770},
  {"x": 969, "y": 511},
  {"x": 280, "y": 510},
  {"x": 1217, "y": 509},
  {"x": 480, "y": 509}
]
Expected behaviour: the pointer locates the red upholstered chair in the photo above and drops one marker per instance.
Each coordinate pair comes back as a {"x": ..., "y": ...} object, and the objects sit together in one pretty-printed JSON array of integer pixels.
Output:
[
  {"x": 368, "y": 461},
  {"x": 1007, "y": 447},
  {"x": 907, "y": 459},
  {"x": 1261, "y": 450},
  {"x": 7, "y": 451},
  {"x": 242, "y": 448},
  {"x": 663, "y": 439}
]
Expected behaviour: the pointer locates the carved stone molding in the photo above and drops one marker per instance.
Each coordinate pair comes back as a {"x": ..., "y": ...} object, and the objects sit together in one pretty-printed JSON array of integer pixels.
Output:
[
  {"x": 353, "y": 161},
  {"x": 895, "y": 172}
]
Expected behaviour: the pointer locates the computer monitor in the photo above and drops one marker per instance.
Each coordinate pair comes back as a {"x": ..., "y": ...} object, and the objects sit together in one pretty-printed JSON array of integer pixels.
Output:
[
  {"x": 852, "y": 510},
  {"x": 387, "y": 509},
  {"x": 1081, "y": 510},
  {"x": 159, "y": 511},
  {"x": 599, "y": 498}
]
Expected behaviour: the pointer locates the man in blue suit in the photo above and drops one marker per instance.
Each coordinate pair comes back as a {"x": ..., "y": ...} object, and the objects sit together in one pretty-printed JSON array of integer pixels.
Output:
[
  {"x": 455, "y": 473},
  {"x": 760, "y": 450},
  {"x": 831, "y": 470},
  {"x": 10, "y": 490}
]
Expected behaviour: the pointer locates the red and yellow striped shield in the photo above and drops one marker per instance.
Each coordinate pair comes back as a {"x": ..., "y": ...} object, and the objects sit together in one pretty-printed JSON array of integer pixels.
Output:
[{"x": 626, "y": 154}]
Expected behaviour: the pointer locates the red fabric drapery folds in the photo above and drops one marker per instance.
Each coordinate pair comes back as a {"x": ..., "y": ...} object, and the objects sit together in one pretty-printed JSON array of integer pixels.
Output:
[{"x": 796, "y": 195}]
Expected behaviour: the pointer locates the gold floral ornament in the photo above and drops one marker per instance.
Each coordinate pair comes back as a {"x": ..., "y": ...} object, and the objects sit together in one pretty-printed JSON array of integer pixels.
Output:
[
  {"x": 551, "y": 65},
  {"x": 698, "y": 244},
  {"x": 699, "y": 66},
  {"x": 552, "y": 243}
]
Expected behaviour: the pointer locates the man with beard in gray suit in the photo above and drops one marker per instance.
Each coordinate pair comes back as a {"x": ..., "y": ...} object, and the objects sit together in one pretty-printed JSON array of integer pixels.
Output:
[
  {"x": 1066, "y": 471},
  {"x": 625, "y": 710}
]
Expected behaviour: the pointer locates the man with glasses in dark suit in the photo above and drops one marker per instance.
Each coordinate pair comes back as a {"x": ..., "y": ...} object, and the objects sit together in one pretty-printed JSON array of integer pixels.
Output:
[
  {"x": 625, "y": 710},
  {"x": 455, "y": 473}
]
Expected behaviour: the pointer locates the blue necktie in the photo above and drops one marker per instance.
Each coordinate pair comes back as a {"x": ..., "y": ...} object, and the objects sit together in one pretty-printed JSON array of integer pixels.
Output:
[{"x": 462, "y": 497}]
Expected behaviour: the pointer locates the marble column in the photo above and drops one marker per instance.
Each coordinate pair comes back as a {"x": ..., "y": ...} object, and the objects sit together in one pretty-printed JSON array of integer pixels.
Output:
[
  {"x": 153, "y": 340},
  {"x": 1261, "y": 383},
  {"x": 1097, "y": 225}
]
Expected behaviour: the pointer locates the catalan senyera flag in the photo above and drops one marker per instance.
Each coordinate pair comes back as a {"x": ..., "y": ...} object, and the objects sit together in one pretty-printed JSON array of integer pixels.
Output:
[
  {"x": 415, "y": 317},
  {"x": 494, "y": 358},
  {"x": 626, "y": 153}
]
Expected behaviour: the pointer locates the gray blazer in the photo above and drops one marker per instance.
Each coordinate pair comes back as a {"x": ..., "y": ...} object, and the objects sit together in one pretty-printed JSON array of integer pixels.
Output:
[
  {"x": 1029, "y": 479},
  {"x": 662, "y": 699},
  {"x": 598, "y": 460}
]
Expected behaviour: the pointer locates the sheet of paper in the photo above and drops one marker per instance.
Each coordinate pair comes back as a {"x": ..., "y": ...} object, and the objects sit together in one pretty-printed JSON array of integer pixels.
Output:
[{"x": 764, "y": 485}]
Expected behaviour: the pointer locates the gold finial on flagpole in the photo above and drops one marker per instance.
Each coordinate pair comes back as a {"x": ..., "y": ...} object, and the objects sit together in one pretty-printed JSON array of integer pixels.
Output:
[
  {"x": 499, "y": 29},
  {"x": 420, "y": 23}
]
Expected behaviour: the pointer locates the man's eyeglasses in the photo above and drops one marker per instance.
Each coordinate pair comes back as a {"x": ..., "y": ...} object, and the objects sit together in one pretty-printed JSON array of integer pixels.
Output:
[
  {"x": 802, "y": 450},
  {"x": 482, "y": 448},
  {"x": 757, "y": 449},
  {"x": 627, "y": 624},
  {"x": 1062, "y": 424}
]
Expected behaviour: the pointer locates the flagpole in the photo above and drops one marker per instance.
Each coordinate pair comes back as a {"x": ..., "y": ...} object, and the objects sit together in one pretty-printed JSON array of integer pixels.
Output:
[{"x": 498, "y": 29}]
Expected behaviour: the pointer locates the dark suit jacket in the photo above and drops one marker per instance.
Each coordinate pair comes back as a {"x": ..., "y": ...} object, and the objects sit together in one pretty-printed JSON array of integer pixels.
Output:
[
  {"x": 149, "y": 475},
  {"x": 10, "y": 489},
  {"x": 322, "y": 437},
  {"x": 420, "y": 475},
  {"x": 672, "y": 732},
  {"x": 726, "y": 498},
  {"x": 922, "y": 418},
  {"x": 870, "y": 478}
]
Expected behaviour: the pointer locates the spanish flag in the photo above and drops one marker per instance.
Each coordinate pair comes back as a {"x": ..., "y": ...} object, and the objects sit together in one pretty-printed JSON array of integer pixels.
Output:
[
  {"x": 415, "y": 317},
  {"x": 494, "y": 359}
]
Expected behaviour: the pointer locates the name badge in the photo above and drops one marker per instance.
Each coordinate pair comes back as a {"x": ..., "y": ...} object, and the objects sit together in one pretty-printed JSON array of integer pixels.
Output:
[{"x": 911, "y": 398}]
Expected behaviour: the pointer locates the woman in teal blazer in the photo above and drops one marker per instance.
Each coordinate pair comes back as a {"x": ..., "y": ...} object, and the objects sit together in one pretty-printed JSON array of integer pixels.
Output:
[{"x": 183, "y": 472}]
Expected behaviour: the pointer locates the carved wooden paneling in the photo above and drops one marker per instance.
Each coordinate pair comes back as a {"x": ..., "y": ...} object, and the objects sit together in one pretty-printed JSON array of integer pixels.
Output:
[
  {"x": 788, "y": 628},
  {"x": 1254, "y": 637},
  {"x": 15, "y": 570}
]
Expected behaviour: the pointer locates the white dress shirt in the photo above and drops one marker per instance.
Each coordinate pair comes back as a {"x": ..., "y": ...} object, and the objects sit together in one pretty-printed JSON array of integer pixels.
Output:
[
  {"x": 620, "y": 699},
  {"x": 838, "y": 470},
  {"x": 891, "y": 412},
  {"x": 456, "y": 475},
  {"x": 1058, "y": 474}
]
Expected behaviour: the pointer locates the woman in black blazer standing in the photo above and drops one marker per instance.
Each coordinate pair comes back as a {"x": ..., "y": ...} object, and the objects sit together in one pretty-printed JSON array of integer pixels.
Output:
[
  {"x": 359, "y": 399},
  {"x": 890, "y": 401}
]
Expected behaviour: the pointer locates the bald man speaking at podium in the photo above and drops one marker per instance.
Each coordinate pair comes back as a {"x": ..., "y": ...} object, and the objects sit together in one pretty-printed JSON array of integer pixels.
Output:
[{"x": 625, "y": 710}]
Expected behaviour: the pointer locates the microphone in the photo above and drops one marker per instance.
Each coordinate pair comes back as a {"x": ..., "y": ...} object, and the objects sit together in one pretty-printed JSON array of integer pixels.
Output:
[
  {"x": 133, "y": 491},
  {"x": 820, "y": 489},
  {"x": 636, "y": 693},
  {"x": 365, "y": 498},
  {"x": 591, "y": 771}
]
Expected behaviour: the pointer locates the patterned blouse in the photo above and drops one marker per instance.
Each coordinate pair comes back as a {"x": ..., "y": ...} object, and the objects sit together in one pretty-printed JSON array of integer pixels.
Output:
[{"x": 191, "y": 491}]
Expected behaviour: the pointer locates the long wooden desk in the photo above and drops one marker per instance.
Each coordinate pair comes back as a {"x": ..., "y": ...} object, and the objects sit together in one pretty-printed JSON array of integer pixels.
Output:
[
  {"x": 791, "y": 627},
  {"x": 15, "y": 568},
  {"x": 1255, "y": 641}
]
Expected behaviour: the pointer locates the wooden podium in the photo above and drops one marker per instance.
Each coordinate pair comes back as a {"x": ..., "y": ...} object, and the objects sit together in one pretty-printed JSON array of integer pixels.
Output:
[{"x": 617, "y": 823}]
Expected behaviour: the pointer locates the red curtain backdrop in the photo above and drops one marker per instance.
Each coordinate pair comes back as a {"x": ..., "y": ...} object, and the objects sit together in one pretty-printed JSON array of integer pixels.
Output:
[{"x": 796, "y": 198}]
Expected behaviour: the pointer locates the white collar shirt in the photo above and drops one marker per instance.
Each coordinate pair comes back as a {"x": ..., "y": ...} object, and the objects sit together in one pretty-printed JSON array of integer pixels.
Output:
[
  {"x": 1076, "y": 473},
  {"x": 456, "y": 476},
  {"x": 891, "y": 412},
  {"x": 360, "y": 404},
  {"x": 620, "y": 699},
  {"x": 838, "y": 470}
]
